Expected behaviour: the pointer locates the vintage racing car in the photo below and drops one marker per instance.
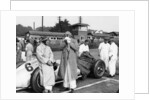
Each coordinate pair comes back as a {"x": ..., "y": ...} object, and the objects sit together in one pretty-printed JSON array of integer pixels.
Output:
[{"x": 28, "y": 73}]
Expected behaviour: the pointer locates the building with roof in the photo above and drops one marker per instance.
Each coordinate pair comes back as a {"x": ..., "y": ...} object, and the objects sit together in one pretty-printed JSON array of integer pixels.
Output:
[
  {"x": 80, "y": 30},
  {"x": 51, "y": 35}
]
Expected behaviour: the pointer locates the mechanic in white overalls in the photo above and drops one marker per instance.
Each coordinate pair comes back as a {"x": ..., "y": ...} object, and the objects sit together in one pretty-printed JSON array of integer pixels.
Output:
[
  {"x": 104, "y": 51},
  {"x": 113, "y": 51},
  {"x": 45, "y": 57}
]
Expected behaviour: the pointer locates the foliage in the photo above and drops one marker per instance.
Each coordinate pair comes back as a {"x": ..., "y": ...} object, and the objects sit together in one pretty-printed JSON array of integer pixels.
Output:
[
  {"x": 21, "y": 30},
  {"x": 46, "y": 29},
  {"x": 62, "y": 26}
]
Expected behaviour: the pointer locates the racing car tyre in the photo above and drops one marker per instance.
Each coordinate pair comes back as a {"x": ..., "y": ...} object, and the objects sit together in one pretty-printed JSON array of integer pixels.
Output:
[
  {"x": 35, "y": 81},
  {"x": 99, "y": 69}
]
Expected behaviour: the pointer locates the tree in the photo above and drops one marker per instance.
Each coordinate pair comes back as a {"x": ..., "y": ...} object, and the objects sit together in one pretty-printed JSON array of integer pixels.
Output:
[
  {"x": 62, "y": 26},
  {"x": 22, "y": 30},
  {"x": 47, "y": 29}
]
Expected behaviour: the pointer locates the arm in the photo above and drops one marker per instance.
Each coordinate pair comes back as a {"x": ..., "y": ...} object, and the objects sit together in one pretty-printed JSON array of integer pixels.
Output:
[
  {"x": 51, "y": 55},
  {"x": 40, "y": 56},
  {"x": 74, "y": 45},
  {"x": 99, "y": 48},
  {"x": 80, "y": 50},
  {"x": 26, "y": 50},
  {"x": 110, "y": 52},
  {"x": 115, "y": 51},
  {"x": 88, "y": 49}
]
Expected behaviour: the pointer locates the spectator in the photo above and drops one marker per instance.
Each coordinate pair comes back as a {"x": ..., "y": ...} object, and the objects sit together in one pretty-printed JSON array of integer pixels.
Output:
[
  {"x": 84, "y": 47},
  {"x": 29, "y": 50},
  {"x": 113, "y": 51},
  {"x": 104, "y": 51},
  {"x": 18, "y": 51}
]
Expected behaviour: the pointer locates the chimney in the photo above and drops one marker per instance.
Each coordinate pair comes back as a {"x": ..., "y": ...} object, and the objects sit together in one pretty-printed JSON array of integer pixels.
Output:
[
  {"x": 80, "y": 19},
  {"x": 42, "y": 22},
  {"x": 33, "y": 25}
]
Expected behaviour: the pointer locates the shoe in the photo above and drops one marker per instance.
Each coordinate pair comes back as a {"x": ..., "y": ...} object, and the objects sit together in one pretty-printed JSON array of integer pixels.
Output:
[
  {"x": 45, "y": 91},
  {"x": 64, "y": 89},
  {"x": 50, "y": 91},
  {"x": 83, "y": 77},
  {"x": 111, "y": 76},
  {"x": 71, "y": 90}
]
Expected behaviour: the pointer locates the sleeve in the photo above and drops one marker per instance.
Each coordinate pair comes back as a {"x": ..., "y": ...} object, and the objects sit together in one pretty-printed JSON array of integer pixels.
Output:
[
  {"x": 40, "y": 56},
  {"x": 74, "y": 46},
  {"x": 51, "y": 55},
  {"x": 26, "y": 48},
  {"x": 100, "y": 46},
  {"x": 88, "y": 49},
  {"x": 116, "y": 50},
  {"x": 32, "y": 48},
  {"x": 80, "y": 49}
]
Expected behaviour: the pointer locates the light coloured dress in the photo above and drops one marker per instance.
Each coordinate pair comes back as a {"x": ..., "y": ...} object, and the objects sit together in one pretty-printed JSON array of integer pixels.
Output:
[
  {"x": 68, "y": 65},
  {"x": 44, "y": 54}
]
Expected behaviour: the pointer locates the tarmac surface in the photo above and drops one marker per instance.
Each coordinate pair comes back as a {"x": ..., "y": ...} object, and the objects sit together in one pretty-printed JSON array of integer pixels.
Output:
[{"x": 88, "y": 85}]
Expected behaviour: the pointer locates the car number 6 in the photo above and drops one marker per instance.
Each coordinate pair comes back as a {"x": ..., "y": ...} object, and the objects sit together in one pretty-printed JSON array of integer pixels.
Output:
[{"x": 28, "y": 67}]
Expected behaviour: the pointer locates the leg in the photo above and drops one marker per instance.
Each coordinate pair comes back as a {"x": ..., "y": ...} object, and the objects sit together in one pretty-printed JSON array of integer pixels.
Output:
[
  {"x": 48, "y": 89},
  {"x": 112, "y": 67}
]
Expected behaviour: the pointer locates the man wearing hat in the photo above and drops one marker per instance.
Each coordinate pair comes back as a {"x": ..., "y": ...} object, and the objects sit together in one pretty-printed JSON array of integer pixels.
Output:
[
  {"x": 113, "y": 51},
  {"x": 68, "y": 64},
  {"x": 45, "y": 57},
  {"x": 104, "y": 51}
]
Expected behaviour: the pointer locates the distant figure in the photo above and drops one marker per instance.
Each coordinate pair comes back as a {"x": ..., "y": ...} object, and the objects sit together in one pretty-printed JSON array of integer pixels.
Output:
[
  {"x": 68, "y": 64},
  {"x": 104, "y": 51},
  {"x": 113, "y": 51},
  {"x": 29, "y": 50},
  {"x": 84, "y": 47},
  {"x": 81, "y": 41},
  {"x": 22, "y": 44},
  {"x": 45, "y": 57},
  {"x": 18, "y": 51},
  {"x": 36, "y": 43}
]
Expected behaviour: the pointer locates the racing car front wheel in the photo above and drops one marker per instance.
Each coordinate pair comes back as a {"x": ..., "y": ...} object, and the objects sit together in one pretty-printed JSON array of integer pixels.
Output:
[
  {"x": 99, "y": 69},
  {"x": 36, "y": 82}
]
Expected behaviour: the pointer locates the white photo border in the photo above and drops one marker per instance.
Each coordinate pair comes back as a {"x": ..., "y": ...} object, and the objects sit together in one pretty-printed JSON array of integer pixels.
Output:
[
  {"x": 141, "y": 26},
  {"x": 8, "y": 73}
]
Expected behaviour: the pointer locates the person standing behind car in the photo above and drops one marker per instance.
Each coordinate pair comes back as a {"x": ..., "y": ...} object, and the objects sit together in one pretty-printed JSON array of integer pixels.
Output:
[
  {"x": 45, "y": 57},
  {"x": 29, "y": 50},
  {"x": 104, "y": 51},
  {"x": 113, "y": 51},
  {"x": 84, "y": 47},
  {"x": 18, "y": 51}
]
